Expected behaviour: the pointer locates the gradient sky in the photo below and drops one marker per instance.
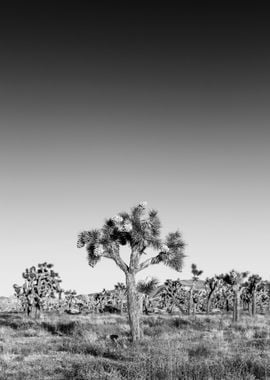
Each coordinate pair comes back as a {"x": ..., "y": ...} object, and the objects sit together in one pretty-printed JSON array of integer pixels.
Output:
[{"x": 103, "y": 108}]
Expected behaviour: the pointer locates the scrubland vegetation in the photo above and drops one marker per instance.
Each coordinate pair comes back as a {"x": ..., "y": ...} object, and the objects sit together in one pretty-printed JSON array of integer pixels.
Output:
[{"x": 172, "y": 347}]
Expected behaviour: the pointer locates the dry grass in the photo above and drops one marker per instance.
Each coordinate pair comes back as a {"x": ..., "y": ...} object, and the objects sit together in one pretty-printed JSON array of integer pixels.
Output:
[{"x": 79, "y": 347}]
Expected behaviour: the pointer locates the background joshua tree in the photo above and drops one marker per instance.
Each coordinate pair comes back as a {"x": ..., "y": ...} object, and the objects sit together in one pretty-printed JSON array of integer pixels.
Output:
[
  {"x": 235, "y": 281},
  {"x": 121, "y": 295},
  {"x": 40, "y": 283},
  {"x": 211, "y": 284},
  {"x": 102, "y": 299},
  {"x": 195, "y": 277},
  {"x": 224, "y": 295},
  {"x": 252, "y": 285},
  {"x": 173, "y": 294},
  {"x": 140, "y": 230},
  {"x": 70, "y": 299},
  {"x": 266, "y": 286},
  {"x": 146, "y": 288}
]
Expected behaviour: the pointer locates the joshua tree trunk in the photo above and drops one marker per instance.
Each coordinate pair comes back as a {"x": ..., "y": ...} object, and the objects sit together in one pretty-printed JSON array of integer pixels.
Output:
[
  {"x": 121, "y": 306},
  {"x": 236, "y": 305},
  {"x": 141, "y": 301},
  {"x": 133, "y": 307},
  {"x": 37, "y": 311},
  {"x": 146, "y": 303},
  {"x": 227, "y": 305},
  {"x": 27, "y": 310},
  {"x": 246, "y": 305},
  {"x": 190, "y": 303},
  {"x": 253, "y": 305},
  {"x": 208, "y": 305},
  {"x": 241, "y": 304},
  {"x": 194, "y": 310}
]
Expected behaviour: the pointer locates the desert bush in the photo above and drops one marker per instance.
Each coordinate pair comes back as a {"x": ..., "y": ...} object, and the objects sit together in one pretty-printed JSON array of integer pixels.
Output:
[
  {"x": 17, "y": 322},
  {"x": 180, "y": 323},
  {"x": 60, "y": 327},
  {"x": 154, "y": 321},
  {"x": 154, "y": 331},
  {"x": 202, "y": 350}
]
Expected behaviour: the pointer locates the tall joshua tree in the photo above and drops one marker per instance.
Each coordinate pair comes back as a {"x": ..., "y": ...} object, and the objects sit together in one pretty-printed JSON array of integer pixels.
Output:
[
  {"x": 40, "y": 283},
  {"x": 140, "y": 230}
]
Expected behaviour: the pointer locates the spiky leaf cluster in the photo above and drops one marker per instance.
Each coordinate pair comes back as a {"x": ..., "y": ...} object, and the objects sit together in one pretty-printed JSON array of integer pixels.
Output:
[
  {"x": 120, "y": 286},
  {"x": 147, "y": 286},
  {"x": 254, "y": 281},
  {"x": 234, "y": 277},
  {"x": 212, "y": 282},
  {"x": 173, "y": 254},
  {"x": 91, "y": 240},
  {"x": 195, "y": 272}
]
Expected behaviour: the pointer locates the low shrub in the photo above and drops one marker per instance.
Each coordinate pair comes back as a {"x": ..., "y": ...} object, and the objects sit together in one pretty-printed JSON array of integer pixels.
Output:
[
  {"x": 60, "y": 327},
  {"x": 199, "y": 351}
]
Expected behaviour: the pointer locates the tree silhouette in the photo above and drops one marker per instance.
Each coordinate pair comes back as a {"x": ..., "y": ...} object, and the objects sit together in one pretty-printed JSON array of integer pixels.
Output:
[
  {"x": 211, "y": 284},
  {"x": 235, "y": 281},
  {"x": 140, "y": 230},
  {"x": 40, "y": 284}
]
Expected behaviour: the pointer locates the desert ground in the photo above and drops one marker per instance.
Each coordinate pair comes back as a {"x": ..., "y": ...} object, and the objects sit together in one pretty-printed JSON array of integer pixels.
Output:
[{"x": 60, "y": 346}]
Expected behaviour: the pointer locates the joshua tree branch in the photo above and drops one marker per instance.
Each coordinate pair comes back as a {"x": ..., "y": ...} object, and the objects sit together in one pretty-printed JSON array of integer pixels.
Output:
[
  {"x": 152, "y": 260},
  {"x": 121, "y": 263},
  {"x": 114, "y": 255}
]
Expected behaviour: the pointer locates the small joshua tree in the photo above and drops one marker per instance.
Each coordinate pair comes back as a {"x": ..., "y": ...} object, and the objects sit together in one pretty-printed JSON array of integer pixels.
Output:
[
  {"x": 235, "y": 281},
  {"x": 121, "y": 295},
  {"x": 40, "y": 284},
  {"x": 195, "y": 277},
  {"x": 253, "y": 284},
  {"x": 70, "y": 299},
  {"x": 146, "y": 288},
  {"x": 102, "y": 300},
  {"x": 140, "y": 230}
]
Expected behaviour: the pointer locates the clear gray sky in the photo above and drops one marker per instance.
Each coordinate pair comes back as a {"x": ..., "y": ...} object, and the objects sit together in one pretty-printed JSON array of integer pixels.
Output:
[{"x": 100, "y": 110}]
